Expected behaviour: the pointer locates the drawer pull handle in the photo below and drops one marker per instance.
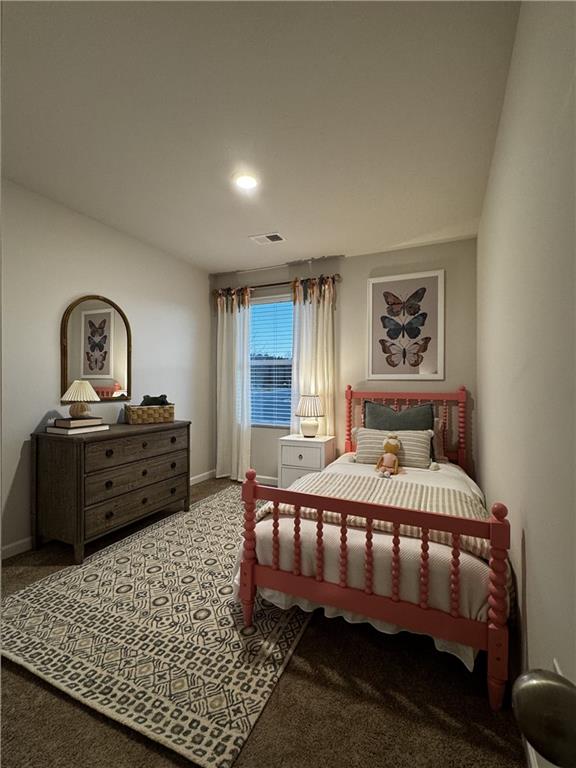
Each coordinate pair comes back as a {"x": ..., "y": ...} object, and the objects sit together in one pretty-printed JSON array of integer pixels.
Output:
[
  {"x": 300, "y": 456},
  {"x": 144, "y": 472},
  {"x": 109, "y": 515},
  {"x": 144, "y": 444},
  {"x": 173, "y": 439},
  {"x": 173, "y": 465},
  {"x": 172, "y": 491},
  {"x": 144, "y": 500},
  {"x": 108, "y": 484},
  {"x": 109, "y": 452}
]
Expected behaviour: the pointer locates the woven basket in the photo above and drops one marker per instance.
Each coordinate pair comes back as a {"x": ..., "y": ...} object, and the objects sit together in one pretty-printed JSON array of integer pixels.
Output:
[{"x": 149, "y": 414}]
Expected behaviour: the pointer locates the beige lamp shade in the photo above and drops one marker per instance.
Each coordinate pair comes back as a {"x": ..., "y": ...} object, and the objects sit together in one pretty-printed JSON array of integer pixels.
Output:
[
  {"x": 309, "y": 408},
  {"x": 80, "y": 393}
]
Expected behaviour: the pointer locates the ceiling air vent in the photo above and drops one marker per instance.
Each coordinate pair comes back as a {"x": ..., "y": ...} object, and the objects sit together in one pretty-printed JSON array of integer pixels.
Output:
[{"x": 273, "y": 237}]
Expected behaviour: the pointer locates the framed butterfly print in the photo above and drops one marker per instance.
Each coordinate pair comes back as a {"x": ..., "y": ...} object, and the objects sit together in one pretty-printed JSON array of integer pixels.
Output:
[
  {"x": 97, "y": 344},
  {"x": 406, "y": 326}
]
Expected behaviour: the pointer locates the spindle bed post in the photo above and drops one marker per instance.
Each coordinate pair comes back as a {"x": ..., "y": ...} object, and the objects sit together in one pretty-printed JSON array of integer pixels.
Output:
[
  {"x": 343, "y": 570},
  {"x": 348, "y": 440},
  {"x": 462, "y": 454},
  {"x": 424, "y": 569},
  {"x": 369, "y": 559},
  {"x": 497, "y": 606},
  {"x": 247, "y": 585},
  {"x": 275, "y": 536},
  {"x": 319, "y": 546}
]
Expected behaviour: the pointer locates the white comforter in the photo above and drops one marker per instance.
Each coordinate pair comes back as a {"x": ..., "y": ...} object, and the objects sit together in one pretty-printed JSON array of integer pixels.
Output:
[{"x": 473, "y": 570}]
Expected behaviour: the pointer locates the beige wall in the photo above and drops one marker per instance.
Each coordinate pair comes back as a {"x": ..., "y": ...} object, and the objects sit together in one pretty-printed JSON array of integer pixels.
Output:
[
  {"x": 526, "y": 330},
  {"x": 51, "y": 256}
]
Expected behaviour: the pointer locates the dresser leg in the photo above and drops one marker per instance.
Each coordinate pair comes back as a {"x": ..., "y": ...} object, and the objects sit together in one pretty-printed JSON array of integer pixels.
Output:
[{"x": 78, "y": 554}]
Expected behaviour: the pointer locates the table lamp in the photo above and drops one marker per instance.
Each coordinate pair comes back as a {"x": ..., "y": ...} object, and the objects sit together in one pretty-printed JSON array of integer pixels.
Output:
[
  {"x": 80, "y": 393},
  {"x": 309, "y": 408}
]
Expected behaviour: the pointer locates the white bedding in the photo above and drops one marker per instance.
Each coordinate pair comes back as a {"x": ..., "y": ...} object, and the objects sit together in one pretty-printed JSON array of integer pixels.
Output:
[{"x": 473, "y": 570}]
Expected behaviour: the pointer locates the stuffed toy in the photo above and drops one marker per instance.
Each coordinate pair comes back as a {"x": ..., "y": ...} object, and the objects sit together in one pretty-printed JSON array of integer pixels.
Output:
[{"x": 388, "y": 463}]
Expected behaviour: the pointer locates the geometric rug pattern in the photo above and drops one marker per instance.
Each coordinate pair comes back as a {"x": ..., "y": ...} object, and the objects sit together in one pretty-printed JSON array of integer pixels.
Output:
[{"x": 148, "y": 633}]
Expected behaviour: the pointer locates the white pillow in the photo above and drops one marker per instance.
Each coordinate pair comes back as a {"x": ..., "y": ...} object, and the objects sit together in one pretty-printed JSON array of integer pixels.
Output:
[
  {"x": 414, "y": 450},
  {"x": 369, "y": 444}
]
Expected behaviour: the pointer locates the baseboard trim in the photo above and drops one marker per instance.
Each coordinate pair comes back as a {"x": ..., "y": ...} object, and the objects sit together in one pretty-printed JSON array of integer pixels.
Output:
[
  {"x": 265, "y": 480},
  {"x": 195, "y": 479},
  {"x": 17, "y": 547}
]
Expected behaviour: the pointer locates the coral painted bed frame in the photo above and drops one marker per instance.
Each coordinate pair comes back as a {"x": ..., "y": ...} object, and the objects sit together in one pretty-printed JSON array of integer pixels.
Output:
[{"x": 490, "y": 635}]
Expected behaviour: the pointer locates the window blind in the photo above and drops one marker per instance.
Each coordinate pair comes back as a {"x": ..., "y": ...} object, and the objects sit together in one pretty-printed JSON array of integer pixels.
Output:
[{"x": 271, "y": 362}]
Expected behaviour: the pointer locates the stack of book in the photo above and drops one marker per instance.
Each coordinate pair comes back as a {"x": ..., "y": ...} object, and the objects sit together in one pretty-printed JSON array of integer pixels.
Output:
[{"x": 77, "y": 426}]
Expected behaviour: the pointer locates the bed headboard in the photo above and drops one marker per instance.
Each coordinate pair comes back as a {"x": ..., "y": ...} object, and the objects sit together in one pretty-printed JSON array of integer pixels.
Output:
[{"x": 450, "y": 407}]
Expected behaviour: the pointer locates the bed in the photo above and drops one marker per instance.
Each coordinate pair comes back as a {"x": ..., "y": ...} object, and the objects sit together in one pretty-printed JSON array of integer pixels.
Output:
[{"x": 417, "y": 552}]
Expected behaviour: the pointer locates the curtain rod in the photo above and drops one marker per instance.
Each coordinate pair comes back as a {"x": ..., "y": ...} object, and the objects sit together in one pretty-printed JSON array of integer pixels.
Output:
[{"x": 337, "y": 278}]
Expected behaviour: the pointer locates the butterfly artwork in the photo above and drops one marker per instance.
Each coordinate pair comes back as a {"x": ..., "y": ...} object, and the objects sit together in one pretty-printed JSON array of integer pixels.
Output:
[
  {"x": 96, "y": 362},
  {"x": 411, "y": 328},
  {"x": 97, "y": 330},
  {"x": 397, "y": 306},
  {"x": 406, "y": 326},
  {"x": 413, "y": 354},
  {"x": 97, "y": 344}
]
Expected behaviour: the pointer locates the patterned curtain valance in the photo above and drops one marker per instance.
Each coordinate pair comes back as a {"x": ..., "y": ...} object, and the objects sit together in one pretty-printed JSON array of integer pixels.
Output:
[
  {"x": 232, "y": 299},
  {"x": 315, "y": 289}
]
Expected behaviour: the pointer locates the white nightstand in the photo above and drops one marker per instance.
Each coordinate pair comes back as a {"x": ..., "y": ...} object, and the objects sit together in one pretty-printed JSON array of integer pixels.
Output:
[{"x": 298, "y": 455}]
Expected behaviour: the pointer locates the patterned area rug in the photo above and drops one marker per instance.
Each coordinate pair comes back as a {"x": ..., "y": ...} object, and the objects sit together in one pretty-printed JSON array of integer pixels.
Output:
[{"x": 148, "y": 633}]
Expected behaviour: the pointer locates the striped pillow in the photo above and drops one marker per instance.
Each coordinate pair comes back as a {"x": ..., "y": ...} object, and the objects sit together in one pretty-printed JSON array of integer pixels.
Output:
[
  {"x": 415, "y": 448},
  {"x": 414, "y": 452}
]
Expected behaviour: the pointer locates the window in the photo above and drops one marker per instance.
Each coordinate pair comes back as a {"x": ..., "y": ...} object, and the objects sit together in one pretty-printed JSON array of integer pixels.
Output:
[{"x": 271, "y": 362}]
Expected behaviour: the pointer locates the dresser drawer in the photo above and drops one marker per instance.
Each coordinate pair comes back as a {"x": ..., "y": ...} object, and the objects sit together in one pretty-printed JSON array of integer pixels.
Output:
[
  {"x": 103, "y": 485},
  {"x": 290, "y": 474},
  {"x": 308, "y": 457},
  {"x": 111, "y": 453},
  {"x": 134, "y": 505}
]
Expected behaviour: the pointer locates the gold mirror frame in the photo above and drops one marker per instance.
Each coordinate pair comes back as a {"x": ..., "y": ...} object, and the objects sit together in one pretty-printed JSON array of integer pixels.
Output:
[{"x": 64, "y": 346}]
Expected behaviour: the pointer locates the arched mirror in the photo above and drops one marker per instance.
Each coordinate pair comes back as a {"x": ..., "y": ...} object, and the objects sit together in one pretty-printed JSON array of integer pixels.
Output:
[{"x": 96, "y": 345}]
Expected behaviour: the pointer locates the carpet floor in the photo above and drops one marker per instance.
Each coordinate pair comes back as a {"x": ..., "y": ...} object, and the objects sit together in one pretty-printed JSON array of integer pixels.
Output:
[{"x": 350, "y": 696}]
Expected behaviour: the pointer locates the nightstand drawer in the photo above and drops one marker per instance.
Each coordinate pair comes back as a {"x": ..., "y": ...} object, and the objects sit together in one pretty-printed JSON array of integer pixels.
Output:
[
  {"x": 290, "y": 474},
  {"x": 307, "y": 457}
]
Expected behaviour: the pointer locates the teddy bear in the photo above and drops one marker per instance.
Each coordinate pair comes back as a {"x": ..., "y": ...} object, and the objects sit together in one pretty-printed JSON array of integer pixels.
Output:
[{"x": 388, "y": 463}]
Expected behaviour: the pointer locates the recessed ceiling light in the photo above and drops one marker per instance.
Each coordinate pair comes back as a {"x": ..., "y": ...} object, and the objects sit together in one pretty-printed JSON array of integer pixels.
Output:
[{"x": 246, "y": 182}]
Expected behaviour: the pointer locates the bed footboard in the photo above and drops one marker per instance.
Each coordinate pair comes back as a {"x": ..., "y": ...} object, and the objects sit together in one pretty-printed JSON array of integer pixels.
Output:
[{"x": 490, "y": 635}]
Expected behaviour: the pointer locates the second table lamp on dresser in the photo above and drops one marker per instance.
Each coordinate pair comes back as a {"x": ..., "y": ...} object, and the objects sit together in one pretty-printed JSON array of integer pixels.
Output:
[
  {"x": 309, "y": 408},
  {"x": 80, "y": 393}
]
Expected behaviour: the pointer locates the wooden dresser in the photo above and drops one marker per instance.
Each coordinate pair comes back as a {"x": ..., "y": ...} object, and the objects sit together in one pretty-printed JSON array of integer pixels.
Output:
[{"x": 84, "y": 486}]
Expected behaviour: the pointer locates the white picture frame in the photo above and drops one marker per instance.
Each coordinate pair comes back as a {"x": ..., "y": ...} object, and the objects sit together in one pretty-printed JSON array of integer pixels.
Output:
[{"x": 405, "y": 327}]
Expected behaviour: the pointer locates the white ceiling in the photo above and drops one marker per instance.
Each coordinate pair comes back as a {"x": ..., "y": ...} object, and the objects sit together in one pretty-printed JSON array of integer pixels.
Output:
[{"x": 371, "y": 125}]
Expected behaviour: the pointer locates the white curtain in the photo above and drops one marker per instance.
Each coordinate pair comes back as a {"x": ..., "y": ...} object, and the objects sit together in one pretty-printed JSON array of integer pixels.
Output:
[
  {"x": 313, "y": 367},
  {"x": 233, "y": 417}
]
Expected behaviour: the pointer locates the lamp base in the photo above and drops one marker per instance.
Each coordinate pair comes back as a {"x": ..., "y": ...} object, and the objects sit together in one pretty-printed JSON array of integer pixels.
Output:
[
  {"x": 80, "y": 410},
  {"x": 309, "y": 427}
]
